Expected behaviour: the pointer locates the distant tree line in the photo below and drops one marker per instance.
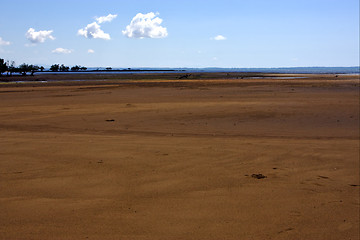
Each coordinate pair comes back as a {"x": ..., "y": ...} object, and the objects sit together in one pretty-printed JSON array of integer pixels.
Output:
[
  {"x": 63, "y": 68},
  {"x": 10, "y": 68}
]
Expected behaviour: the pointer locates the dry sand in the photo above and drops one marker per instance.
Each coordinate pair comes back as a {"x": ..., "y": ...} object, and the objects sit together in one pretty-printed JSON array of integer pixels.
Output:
[{"x": 171, "y": 159}]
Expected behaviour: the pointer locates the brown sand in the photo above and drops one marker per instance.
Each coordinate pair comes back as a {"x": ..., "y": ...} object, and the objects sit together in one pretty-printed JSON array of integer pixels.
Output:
[{"x": 171, "y": 159}]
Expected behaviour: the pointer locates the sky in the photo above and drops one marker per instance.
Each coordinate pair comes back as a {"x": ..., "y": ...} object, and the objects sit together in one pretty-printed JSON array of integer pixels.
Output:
[{"x": 181, "y": 33}]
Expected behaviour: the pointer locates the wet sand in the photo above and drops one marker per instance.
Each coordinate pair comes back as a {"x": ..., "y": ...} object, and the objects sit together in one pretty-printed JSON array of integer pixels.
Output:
[{"x": 157, "y": 157}]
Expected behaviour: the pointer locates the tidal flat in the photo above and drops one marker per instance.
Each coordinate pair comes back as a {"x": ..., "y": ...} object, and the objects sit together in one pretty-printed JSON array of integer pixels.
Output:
[{"x": 162, "y": 156}]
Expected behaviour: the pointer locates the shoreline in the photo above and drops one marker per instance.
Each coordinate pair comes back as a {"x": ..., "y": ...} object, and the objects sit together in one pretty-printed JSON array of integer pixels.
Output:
[{"x": 174, "y": 77}]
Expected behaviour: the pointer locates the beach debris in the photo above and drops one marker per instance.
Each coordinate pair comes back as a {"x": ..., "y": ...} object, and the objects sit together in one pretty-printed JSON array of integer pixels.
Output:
[
  {"x": 110, "y": 120},
  {"x": 286, "y": 230},
  {"x": 100, "y": 161},
  {"x": 324, "y": 177},
  {"x": 258, "y": 176},
  {"x": 185, "y": 76}
]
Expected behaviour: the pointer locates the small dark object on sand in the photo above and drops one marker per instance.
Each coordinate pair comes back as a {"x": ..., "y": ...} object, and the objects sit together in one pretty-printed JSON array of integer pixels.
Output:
[
  {"x": 186, "y": 76},
  {"x": 258, "y": 176},
  {"x": 110, "y": 120}
]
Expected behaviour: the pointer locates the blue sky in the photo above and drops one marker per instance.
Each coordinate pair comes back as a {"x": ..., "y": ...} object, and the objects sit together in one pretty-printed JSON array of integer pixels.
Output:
[{"x": 165, "y": 33}]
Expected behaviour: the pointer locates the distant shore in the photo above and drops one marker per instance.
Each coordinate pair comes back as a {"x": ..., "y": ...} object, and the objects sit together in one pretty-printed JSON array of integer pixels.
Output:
[
  {"x": 173, "y": 76},
  {"x": 281, "y": 70}
]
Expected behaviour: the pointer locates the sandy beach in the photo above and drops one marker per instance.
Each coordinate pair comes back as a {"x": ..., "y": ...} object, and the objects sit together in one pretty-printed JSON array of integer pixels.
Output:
[{"x": 152, "y": 156}]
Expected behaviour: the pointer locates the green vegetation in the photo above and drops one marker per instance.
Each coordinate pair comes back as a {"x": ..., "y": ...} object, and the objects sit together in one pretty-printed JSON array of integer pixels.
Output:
[
  {"x": 54, "y": 68},
  {"x": 3, "y": 66},
  {"x": 9, "y": 68},
  {"x": 23, "y": 69},
  {"x": 63, "y": 68},
  {"x": 77, "y": 68}
]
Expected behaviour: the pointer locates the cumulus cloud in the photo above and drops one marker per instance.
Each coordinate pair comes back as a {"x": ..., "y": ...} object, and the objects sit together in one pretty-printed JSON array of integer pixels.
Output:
[
  {"x": 219, "y": 38},
  {"x": 38, "y": 37},
  {"x": 107, "y": 18},
  {"x": 90, "y": 51},
  {"x": 62, "y": 51},
  {"x": 3, "y": 42},
  {"x": 93, "y": 30},
  {"x": 145, "y": 26}
]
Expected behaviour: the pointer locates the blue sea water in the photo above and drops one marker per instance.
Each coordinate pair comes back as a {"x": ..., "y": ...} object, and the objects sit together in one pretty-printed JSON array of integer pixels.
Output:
[{"x": 305, "y": 70}]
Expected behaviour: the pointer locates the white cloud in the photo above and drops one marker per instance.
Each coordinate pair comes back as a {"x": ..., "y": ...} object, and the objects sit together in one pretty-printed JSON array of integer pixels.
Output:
[
  {"x": 3, "y": 42},
  {"x": 38, "y": 37},
  {"x": 219, "y": 38},
  {"x": 62, "y": 51},
  {"x": 90, "y": 51},
  {"x": 107, "y": 18},
  {"x": 145, "y": 26},
  {"x": 93, "y": 30}
]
